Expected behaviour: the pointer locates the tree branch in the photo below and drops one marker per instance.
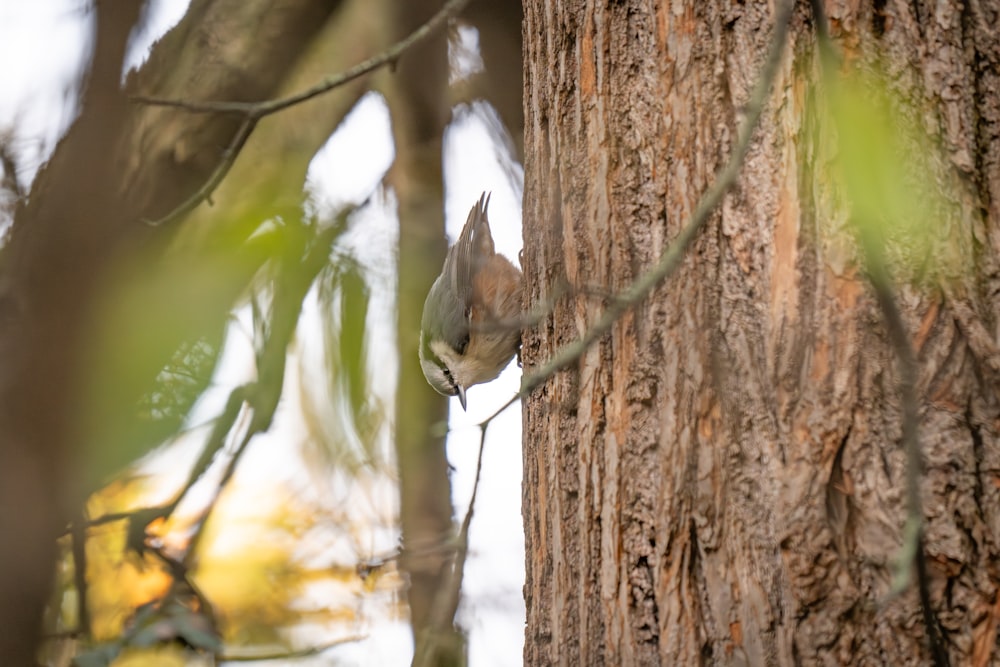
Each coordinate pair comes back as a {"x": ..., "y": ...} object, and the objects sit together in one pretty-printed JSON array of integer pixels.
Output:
[
  {"x": 295, "y": 273},
  {"x": 446, "y": 601},
  {"x": 289, "y": 655},
  {"x": 254, "y": 111},
  {"x": 257, "y": 110},
  {"x": 671, "y": 258}
]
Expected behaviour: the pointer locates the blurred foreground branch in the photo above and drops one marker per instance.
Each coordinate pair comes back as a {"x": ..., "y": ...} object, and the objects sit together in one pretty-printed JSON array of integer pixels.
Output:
[{"x": 252, "y": 112}]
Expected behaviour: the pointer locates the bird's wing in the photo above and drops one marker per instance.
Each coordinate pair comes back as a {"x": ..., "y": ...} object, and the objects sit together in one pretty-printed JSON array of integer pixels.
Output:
[{"x": 474, "y": 245}]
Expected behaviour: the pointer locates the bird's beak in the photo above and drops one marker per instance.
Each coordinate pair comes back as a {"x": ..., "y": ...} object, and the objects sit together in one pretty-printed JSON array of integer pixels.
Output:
[{"x": 461, "y": 395}]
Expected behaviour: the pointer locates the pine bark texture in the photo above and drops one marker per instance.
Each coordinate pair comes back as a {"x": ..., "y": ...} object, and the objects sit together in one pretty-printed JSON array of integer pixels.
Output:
[{"x": 720, "y": 479}]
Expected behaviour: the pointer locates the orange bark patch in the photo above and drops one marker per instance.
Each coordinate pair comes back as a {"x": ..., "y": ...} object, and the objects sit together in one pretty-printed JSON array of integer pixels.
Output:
[
  {"x": 588, "y": 76},
  {"x": 820, "y": 360},
  {"x": 786, "y": 234},
  {"x": 925, "y": 326},
  {"x": 736, "y": 632},
  {"x": 709, "y": 420},
  {"x": 984, "y": 635}
]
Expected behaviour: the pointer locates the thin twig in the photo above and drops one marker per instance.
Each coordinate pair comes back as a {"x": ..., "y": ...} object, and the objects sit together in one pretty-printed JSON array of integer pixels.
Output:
[
  {"x": 672, "y": 257},
  {"x": 254, "y": 111},
  {"x": 180, "y": 575},
  {"x": 262, "y": 400},
  {"x": 872, "y": 244},
  {"x": 257, "y": 110},
  {"x": 140, "y": 518},
  {"x": 912, "y": 551},
  {"x": 446, "y": 601},
  {"x": 203, "y": 193},
  {"x": 296, "y": 273},
  {"x": 79, "y": 545},
  {"x": 375, "y": 563},
  {"x": 290, "y": 655}
]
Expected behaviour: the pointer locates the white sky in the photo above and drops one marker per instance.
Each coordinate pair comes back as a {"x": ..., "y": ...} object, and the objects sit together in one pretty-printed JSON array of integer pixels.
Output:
[{"x": 50, "y": 39}]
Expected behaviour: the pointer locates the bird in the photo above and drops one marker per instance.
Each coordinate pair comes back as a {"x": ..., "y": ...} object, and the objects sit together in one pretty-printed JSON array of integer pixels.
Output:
[{"x": 469, "y": 330}]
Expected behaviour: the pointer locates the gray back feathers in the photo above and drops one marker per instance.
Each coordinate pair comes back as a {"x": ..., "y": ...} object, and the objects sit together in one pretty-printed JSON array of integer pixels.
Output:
[{"x": 449, "y": 302}]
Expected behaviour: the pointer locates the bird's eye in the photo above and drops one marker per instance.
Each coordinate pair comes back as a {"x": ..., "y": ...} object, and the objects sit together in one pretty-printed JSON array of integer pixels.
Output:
[{"x": 464, "y": 344}]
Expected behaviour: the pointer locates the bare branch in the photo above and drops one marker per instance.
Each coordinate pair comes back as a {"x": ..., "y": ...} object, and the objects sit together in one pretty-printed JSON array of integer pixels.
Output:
[
  {"x": 254, "y": 111},
  {"x": 257, "y": 110},
  {"x": 671, "y": 258},
  {"x": 289, "y": 655},
  {"x": 79, "y": 547},
  {"x": 204, "y": 193},
  {"x": 447, "y": 598},
  {"x": 296, "y": 275}
]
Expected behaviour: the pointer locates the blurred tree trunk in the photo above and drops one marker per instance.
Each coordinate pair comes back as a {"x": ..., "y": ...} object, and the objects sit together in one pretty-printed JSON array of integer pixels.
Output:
[
  {"x": 418, "y": 102},
  {"x": 420, "y": 99},
  {"x": 720, "y": 479},
  {"x": 119, "y": 165}
]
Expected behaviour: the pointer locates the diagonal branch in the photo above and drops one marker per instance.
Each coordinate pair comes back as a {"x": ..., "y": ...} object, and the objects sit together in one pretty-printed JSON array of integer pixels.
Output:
[
  {"x": 204, "y": 193},
  {"x": 285, "y": 656},
  {"x": 254, "y": 111},
  {"x": 295, "y": 274},
  {"x": 447, "y": 598},
  {"x": 446, "y": 601},
  {"x": 671, "y": 258},
  {"x": 257, "y": 110}
]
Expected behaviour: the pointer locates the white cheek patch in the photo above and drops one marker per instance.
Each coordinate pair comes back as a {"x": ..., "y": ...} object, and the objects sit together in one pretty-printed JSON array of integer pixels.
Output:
[
  {"x": 436, "y": 377},
  {"x": 433, "y": 373}
]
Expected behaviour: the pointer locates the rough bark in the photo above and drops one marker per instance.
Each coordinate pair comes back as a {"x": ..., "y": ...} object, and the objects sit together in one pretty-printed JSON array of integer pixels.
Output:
[{"x": 719, "y": 480}]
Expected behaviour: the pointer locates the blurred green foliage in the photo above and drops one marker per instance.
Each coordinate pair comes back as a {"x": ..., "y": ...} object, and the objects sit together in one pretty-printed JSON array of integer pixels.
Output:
[
  {"x": 886, "y": 171},
  {"x": 154, "y": 351}
]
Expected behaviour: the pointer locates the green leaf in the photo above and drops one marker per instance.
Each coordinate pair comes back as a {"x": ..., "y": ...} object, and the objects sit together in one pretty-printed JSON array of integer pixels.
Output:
[{"x": 884, "y": 167}]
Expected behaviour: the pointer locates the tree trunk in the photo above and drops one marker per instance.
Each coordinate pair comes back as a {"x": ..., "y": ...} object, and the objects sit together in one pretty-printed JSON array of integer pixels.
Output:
[
  {"x": 418, "y": 101},
  {"x": 720, "y": 479}
]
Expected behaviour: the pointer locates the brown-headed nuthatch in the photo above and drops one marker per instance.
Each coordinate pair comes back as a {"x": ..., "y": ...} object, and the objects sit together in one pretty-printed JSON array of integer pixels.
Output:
[{"x": 469, "y": 330}]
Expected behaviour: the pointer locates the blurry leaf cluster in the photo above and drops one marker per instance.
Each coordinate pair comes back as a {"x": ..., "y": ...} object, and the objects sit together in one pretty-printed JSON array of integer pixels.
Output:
[
  {"x": 887, "y": 174},
  {"x": 157, "y": 346},
  {"x": 266, "y": 562}
]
